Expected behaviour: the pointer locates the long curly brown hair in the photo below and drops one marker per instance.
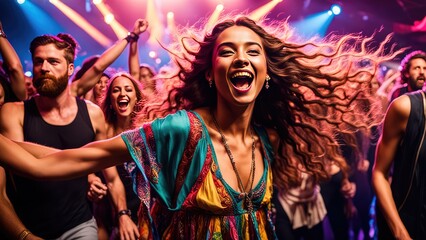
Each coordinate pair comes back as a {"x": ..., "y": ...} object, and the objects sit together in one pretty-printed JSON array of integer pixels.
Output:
[
  {"x": 109, "y": 112},
  {"x": 317, "y": 88}
]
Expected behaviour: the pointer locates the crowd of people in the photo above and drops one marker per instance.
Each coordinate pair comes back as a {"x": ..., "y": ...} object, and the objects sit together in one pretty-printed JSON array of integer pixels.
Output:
[{"x": 248, "y": 133}]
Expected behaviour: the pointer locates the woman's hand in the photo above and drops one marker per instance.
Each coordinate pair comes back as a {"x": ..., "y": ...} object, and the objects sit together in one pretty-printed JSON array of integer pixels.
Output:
[
  {"x": 140, "y": 26},
  {"x": 97, "y": 190},
  {"x": 363, "y": 165},
  {"x": 128, "y": 229},
  {"x": 348, "y": 189}
]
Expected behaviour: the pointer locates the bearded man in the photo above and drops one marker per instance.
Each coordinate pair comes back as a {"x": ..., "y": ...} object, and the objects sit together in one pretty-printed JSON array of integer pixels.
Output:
[
  {"x": 412, "y": 71},
  {"x": 56, "y": 118}
]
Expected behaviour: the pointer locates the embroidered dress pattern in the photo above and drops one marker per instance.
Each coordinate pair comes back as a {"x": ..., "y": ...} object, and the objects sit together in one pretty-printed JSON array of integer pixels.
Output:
[{"x": 192, "y": 200}]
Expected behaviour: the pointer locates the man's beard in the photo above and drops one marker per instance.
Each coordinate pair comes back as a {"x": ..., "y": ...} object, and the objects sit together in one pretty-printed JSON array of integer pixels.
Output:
[{"x": 48, "y": 85}]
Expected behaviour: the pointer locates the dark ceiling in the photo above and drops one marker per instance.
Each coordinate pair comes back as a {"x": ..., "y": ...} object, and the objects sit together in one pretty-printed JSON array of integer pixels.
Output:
[{"x": 361, "y": 16}]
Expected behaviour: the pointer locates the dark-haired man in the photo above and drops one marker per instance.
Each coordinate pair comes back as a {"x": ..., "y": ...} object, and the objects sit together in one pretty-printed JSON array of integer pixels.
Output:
[
  {"x": 402, "y": 204},
  {"x": 411, "y": 79}
]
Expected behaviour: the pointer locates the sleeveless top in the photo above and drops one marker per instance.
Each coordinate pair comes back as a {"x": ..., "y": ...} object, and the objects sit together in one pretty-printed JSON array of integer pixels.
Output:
[
  {"x": 50, "y": 208},
  {"x": 175, "y": 163},
  {"x": 409, "y": 178}
]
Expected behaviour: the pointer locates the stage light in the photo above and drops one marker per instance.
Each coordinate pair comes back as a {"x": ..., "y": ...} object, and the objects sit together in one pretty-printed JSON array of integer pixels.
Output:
[
  {"x": 335, "y": 9},
  {"x": 214, "y": 17},
  {"x": 82, "y": 23},
  {"x": 219, "y": 7},
  {"x": 313, "y": 25},
  {"x": 38, "y": 24},
  {"x": 171, "y": 25},
  {"x": 109, "y": 18},
  {"x": 88, "y": 7},
  {"x": 156, "y": 26},
  {"x": 21, "y": 1},
  {"x": 28, "y": 74},
  {"x": 263, "y": 10},
  {"x": 152, "y": 54}
]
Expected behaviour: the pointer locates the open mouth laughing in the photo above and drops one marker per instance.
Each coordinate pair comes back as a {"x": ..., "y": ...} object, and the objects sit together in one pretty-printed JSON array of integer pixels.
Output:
[
  {"x": 123, "y": 104},
  {"x": 242, "y": 81}
]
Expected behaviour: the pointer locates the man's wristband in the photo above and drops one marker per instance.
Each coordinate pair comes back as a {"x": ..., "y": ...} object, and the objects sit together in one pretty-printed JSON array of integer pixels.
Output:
[
  {"x": 132, "y": 37},
  {"x": 24, "y": 234},
  {"x": 2, "y": 34},
  {"x": 124, "y": 212}
]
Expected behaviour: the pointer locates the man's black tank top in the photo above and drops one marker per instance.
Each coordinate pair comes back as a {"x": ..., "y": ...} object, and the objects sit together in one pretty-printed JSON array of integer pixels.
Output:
[
  {"x": 50, "y": 208},
  {"x": 408, "y": 179}
]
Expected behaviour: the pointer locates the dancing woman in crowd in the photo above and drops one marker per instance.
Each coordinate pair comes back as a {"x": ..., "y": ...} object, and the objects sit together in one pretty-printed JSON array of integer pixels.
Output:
[
  {"x": 245, "y": 102},
  {"x": 121, "y": 106}
]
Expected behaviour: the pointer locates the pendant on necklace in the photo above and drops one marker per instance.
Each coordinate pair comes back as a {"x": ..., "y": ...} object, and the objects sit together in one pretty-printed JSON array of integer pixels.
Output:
[
  {"x": 242, "y": 195},
  {"x": 248, "y": 203}
]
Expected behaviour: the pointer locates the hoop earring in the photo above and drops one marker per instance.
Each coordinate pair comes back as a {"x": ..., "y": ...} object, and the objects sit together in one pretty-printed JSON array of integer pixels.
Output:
[
  {"x": 210, "y": 83},
  {"x": 267, "y": 81}
]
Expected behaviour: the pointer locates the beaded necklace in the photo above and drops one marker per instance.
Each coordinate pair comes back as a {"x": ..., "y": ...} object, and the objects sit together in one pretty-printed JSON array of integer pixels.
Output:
[{"x": 248, "y": 204}]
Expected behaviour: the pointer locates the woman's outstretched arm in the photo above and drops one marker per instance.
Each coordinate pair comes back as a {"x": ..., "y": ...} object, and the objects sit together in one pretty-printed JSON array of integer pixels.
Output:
[
  {"x": 81, "y": 86},
  {"x": 64, "y": 164},
  {"x": 14, "y": 67}
]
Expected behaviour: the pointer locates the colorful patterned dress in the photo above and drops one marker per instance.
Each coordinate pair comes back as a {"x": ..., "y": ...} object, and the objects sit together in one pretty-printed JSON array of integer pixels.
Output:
[{"x": 174, "y": 161}]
